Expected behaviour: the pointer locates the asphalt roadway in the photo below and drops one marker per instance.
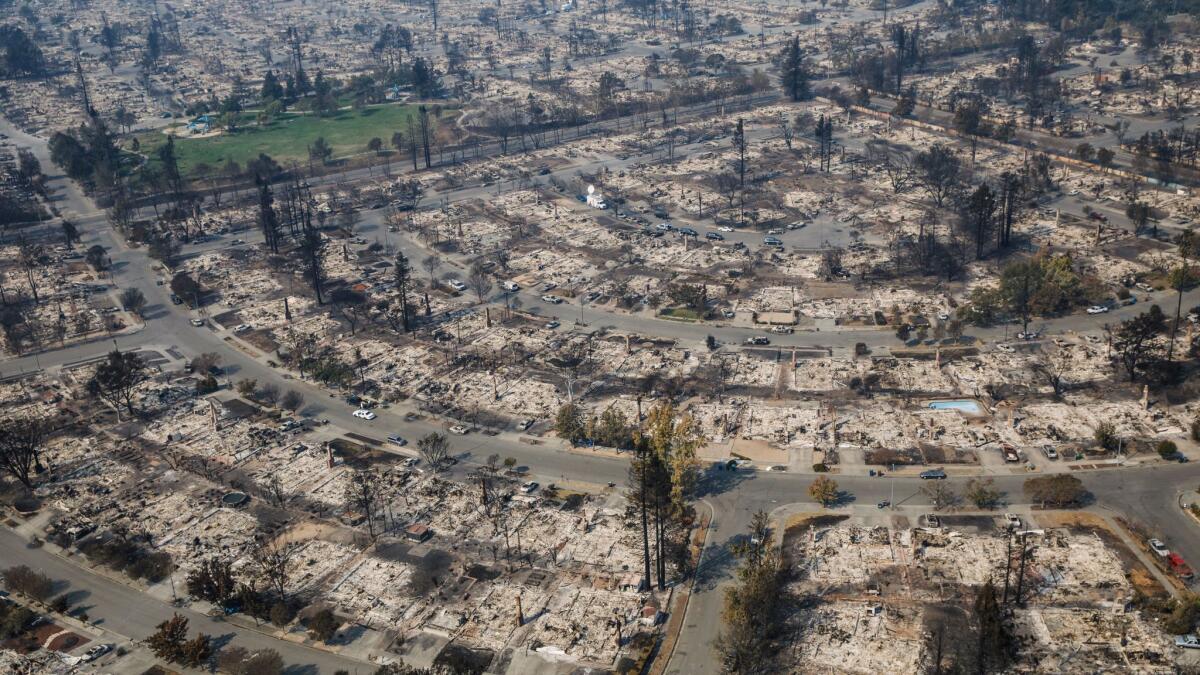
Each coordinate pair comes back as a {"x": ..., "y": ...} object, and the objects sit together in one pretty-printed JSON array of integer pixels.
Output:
[{"x": 1145, "y": 494}]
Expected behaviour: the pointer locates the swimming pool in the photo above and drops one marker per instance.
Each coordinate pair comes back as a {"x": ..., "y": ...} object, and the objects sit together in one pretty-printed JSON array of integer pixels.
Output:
[{"x": 963, "y": 405}]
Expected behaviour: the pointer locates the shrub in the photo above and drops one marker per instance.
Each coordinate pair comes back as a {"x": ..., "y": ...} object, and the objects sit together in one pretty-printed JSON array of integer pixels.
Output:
[
  {"x": 1106, "y": 436},
  {"x": 323, "y": 625},
  {"x": 13, "y": 619},
  {"x": 820, "y": 467},
  {"x": 1056, "y": 491},
  {"x": 29, "y": 583},
  {"x": 1182, "y": 618},
  {"x": 1167, "y": 449},
  {"x": 60, "y": 604},
  {"x": 282, "y": 614}
]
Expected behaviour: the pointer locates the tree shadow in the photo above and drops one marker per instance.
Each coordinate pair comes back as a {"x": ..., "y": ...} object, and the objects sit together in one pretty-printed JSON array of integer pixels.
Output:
[
  {"x": 347, "y": 635},
  {"x": 843, "y": 498},
  {"x": 301, "y": 669},
  {"x": 76, "y": 596},
  {"x": 716, "y": 481},
  {"x": 718, "y": 563},
  {"x": 220, "y": 642},
  {"x": 153, "y": 312}
]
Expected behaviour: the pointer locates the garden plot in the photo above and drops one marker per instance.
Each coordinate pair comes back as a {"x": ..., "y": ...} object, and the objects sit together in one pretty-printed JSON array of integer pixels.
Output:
[
  {"x": 374, "y": 592},
  {"x": 839, "y": 637}
]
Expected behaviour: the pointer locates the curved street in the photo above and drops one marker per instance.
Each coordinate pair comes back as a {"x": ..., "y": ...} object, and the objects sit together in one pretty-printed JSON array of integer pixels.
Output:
[{"x": 1146, "y": 494}]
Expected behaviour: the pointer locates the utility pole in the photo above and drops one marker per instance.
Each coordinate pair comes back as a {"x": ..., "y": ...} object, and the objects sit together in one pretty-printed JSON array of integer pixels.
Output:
[
  {"x": 1021, "y": 572},
  {"x": 1008, "y": 564}
]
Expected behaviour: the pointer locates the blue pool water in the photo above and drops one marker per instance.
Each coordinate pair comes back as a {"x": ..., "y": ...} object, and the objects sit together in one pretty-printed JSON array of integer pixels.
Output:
[{"x": 966, "y": 405}]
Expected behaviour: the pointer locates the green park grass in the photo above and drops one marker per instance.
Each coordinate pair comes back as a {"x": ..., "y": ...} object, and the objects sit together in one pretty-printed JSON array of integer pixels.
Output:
[{"x": 288, "y": 138}]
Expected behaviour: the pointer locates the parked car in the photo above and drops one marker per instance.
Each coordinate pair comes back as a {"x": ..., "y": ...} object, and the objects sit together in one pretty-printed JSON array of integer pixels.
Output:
[
  {"x": 457, "y": 285},
  {"x": 714, "y": 236},
  {"x": 688, "y": 232},
  {"x": 1097, "y": 309},
  {"x": 1160, "y": 549},
  {"x": 1187, "y": 641},
  {"x": 782, "y": 330},
  {"x": 524, "y": 424},
  {"x": 397, "y": 439},
  {"x": 197, "y": 322},
  {"x": 364, "y": 414},
  {"x": 728, "y": 313},
  {"x": 1012, "y": 520},
  {"x": 725, "y": 228},
  {"x": 775, "y": 231},
  {"x": 758, "y": 340},
  {"x": 933, "y": 474},
  {"x": 96, "y": 652},
  {"x": 242, "y": 328},
  {"x": 176, "y": 300},
  {"x": 1032, "y": 335},
  {"x": 772, "y": 241},
  {"x": 551, "y": 325},
  {"x": 932, "y": 520},
  {"x": 664, "y": 227},
  {"x": 1179, "y": 567},
  {"x": 459, "y": 429},
  {"x": 552, "y": 299},
  {"x": 511, "y": 286},
  {"x": 1049, "y": 452},
  {"x": 529, "y": 487}
]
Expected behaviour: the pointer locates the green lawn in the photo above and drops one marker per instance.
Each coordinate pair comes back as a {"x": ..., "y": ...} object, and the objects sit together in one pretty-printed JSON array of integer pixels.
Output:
[{"x": 287, "y": 139}]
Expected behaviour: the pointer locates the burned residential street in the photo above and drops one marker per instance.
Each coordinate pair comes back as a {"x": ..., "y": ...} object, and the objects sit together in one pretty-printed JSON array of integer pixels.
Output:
[{"x": 626, "y": 336}]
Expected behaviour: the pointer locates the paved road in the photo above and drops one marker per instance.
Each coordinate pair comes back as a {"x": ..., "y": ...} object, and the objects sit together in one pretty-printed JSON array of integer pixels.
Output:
[
  {"x": 1148, "y": 496},
  {"x": 135, "y": 615}
]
